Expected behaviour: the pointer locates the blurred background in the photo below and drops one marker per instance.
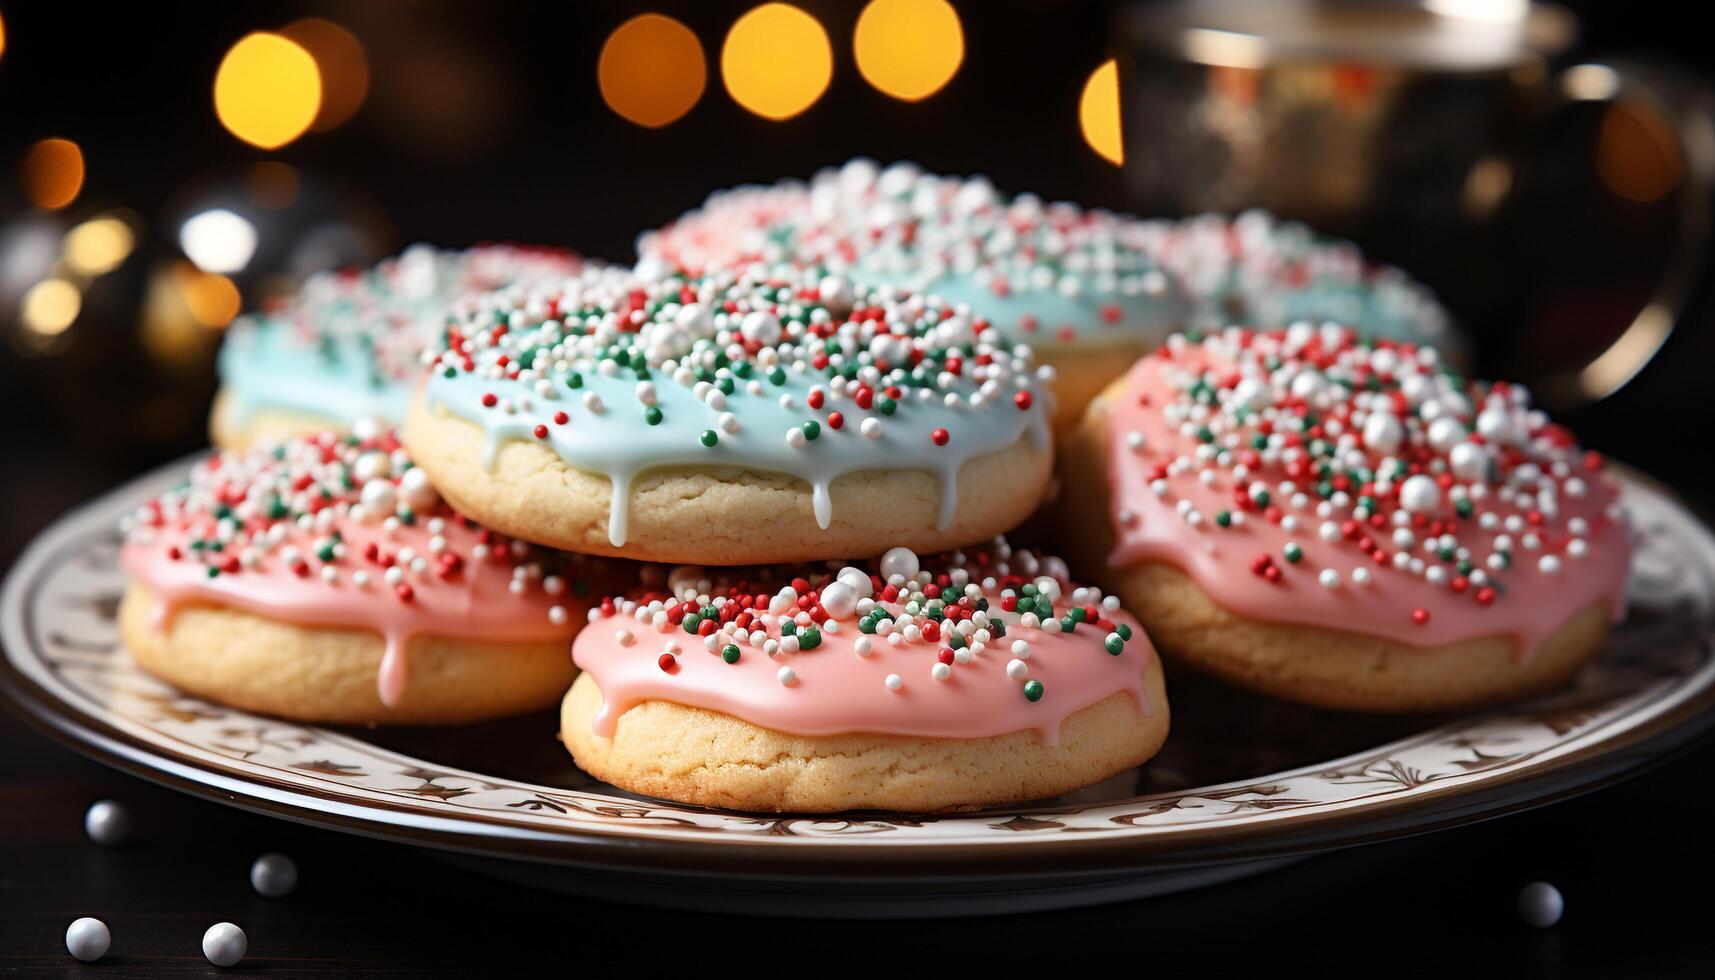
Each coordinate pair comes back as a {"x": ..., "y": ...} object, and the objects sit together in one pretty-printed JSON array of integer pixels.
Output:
[{"x": 164, "y": 167}]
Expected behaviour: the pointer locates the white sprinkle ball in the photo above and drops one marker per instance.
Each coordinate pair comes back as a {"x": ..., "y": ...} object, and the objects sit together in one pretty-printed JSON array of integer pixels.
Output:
[{"x": 224, "y": 944}]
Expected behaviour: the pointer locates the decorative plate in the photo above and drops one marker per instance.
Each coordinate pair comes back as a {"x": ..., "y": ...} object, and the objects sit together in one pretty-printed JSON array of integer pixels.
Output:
[{"x": 1242, "y": 784}]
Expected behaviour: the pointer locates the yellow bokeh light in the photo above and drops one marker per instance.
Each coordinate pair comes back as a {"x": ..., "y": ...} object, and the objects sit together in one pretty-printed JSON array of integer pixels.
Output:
[
  {"x": 50, "y": 307},
  {"x": 1099, "y": 113},
  {"x": 212, "y": 299},
  {"x": 341, "y": 64},
  {"x": 908, "y": 49},
  {"x": 53, "y": 173},
  {"x": 98, "y": 246},
  {"x": 651, "y": 70},
  {"x": 267, "y": 90},
  {"x": 2, "y": 35},
  {"x": 776, "y": 61}
]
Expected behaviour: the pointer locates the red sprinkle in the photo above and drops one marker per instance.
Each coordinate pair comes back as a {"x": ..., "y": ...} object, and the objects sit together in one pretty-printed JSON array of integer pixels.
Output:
[{"x": 940, "y": 437}]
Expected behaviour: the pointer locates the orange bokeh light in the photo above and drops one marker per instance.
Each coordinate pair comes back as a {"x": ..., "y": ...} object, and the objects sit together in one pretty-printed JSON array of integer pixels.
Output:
[
  {"x": 1099, "y": 113},
  {"x": 908, "y": 49},
  {"x": 267, "y": 90},
  {"x": 343, "y": 67},
  {"x": 776, "y": 61},
  {"x": 652, "y": 70},
  {"x": 53, "y": 173}
]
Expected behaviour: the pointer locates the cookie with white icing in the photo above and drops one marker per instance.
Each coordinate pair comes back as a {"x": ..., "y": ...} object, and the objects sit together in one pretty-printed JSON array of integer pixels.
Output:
[
  {"x": 1349, "y": 525},
  {"x": 731, "y": 418},
  {"x": 348, "y": 344},
  {"x": 968, "y": 680},
  {"x": 1089, "y": 289}
]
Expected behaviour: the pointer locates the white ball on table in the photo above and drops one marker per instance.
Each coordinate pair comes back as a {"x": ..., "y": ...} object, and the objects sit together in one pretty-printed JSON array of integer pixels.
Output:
[
  {"x": 274, "y": 875},
  {"x": 224, "y": 944},
  {"x": 107, "y": 823},
  {"x": 1540, "y": 904},
  {"x": 88, "y": 939}
]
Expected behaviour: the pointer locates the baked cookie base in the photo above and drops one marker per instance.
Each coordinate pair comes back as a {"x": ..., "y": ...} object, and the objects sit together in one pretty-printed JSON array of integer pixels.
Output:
[
  {"x": 719, "y": 515},
  {"x": 1325, "y": 668},
  {"x": 693, "y": 755},
  {"x": 325, "y": 675},
  {"x": 264, "y": 424}
]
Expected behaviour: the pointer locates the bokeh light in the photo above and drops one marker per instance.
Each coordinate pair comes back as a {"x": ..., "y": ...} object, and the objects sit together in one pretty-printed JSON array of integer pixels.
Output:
[
  {"x": 212, "y": 299},
  {"x": 272, "y": 184},
  {"x": 1637, "y": 154},
  {"x": 651, "y": 70},
  {"x": 50, "y": 307},
  {"x": 267, "y": 90},
  {"x": 53, "y": 173},
  {"x": 908, "y": 49},
  {"x": 1099, "y": 112},
  {"x": 2, "y": 36},
  {"x": 99, "y": 245},
  {"x": 218, "y": 240},
  {"x": 776, "y": 61},
  {"x": 341, "y": 65}
]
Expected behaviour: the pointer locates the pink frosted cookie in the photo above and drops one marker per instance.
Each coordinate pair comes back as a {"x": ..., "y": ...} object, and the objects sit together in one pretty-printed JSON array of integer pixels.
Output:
[
  {"x": 1347, "y": 525},
  {"x": 970, "y": 679},
  {"x": 323, "y": 579}
]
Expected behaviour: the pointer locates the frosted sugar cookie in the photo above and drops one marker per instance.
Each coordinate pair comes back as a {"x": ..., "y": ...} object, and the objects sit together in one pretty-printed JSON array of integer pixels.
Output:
[
  {"x": 1087, "y": 288},
  {"x": 1348, "y": 525},
  {"x": 348, "y": 345},
  {"x": 974, "y": 679},
  {"x": 323, "y": 579},
  {"x": 731, "y": 419}
]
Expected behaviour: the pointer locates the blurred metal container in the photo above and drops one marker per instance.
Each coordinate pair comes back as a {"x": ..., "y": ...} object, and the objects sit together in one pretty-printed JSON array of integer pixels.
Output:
[{"x": 1403, "y": 125}]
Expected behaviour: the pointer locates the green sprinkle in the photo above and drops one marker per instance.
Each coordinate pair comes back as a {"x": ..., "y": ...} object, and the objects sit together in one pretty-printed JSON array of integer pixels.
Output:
[
  {"x": 777, "y": 377},
  {"x": 652, "y": 415},
  {"x": 1294, "y": 553},
  {"x": 1224, "y": 518},
  {"x": 692, "y": 622},
  {"x": 709, "y": 438},
  {"x": 1124, "y": 631},
  {"x": 809, "y": 638},
  {"x": 574, "y": 380},
  {"x": 788, "y": 627},
  {"x": 729, "y": 653},
  {"x": 812, "y": 429},
  {"x": 887, "y": 406},
  {"x": 1032, "y": 690},
  {"x": 1114, "y": 644}
]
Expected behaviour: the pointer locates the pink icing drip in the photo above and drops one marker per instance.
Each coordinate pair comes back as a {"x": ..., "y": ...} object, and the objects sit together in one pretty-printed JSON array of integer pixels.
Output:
[
  {"x": 838, "y": 692},
  {"x": 474, "y": 604},
  {"x": 1534, "y": 606}
]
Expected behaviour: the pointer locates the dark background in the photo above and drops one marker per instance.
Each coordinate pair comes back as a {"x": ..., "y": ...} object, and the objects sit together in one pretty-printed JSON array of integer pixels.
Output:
[{"x": 534, "y": 156}]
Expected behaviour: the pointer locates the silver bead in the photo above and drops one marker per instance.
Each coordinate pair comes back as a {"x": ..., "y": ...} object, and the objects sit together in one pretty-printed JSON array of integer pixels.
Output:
[
  {"x": 274, "y": 875},
  {"x": 1540, "y": 904},
  {"x": 107, "y": 823},
  {"x": 88, "y": 939},
  {"x": 224, "y": 944}
]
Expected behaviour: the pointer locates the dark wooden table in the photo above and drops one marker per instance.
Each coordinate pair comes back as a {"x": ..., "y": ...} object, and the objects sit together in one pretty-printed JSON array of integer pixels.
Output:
[{"x": 1437, "y": 904}]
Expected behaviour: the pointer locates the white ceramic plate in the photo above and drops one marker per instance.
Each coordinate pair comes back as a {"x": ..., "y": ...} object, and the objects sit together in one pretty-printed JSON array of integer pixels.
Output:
[{"x": 1242, "y": 784}]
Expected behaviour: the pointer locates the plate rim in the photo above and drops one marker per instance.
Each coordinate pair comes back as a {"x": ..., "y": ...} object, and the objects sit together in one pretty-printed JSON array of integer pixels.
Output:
[{"x": 1608, "y": 759}]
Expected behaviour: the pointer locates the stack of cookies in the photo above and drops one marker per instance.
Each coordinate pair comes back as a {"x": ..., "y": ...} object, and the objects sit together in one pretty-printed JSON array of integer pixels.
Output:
[{"x": 758, "y": 486}]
